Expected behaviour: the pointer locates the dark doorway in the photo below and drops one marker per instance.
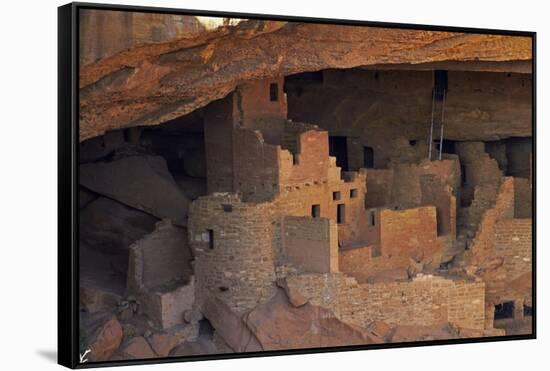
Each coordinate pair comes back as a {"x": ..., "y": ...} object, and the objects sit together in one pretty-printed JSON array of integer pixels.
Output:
[
  {"x": 368, "y": 157},
  {"x": 315, "y": 211},
  {"x": 338, "y": 147},
  {"x": 341, "y": 214},
  {"x": 527, "y": 311},
  {"x": 448, "y": 146},
  {"x": 504, "y": 310}
]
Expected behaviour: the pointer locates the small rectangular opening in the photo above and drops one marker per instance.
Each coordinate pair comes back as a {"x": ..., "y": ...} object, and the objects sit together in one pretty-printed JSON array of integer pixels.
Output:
[
  {"x": 227, "y": 208},
  {"x": 336, "y": 196},
  {"x": 295, "y": 160},
  {"x": 372, "y": 218},
  {"x": 368, "y": 157},
  {"x": 352, "y": 193},
  {"x": 341, "y": 214},
  {"x": 315, "y": 211},
  {"x": 273, "y": 92},
  {"x": 210, "y": 238},
  {"x": 527, "y": 311},
  {"x": 504, "y": 310}
]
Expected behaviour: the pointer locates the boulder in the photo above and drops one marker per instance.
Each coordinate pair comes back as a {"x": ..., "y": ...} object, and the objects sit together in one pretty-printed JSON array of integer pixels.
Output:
[
  {"x": 405, "y": 333},
  {"x": 279, "y": 325},
  {"x": 137, "y": 348},
  {"x": 381, "y": 331},
  {"x": 295, "y": 297},
  {"x": 96, "y": 299},
  {"x": 202, "y": 346},
  {"x": 85, "y": 197},
  {"x": 111, "y": 227},
  {"x": 102, "y": 334},
  {"x": 142, "y": 182},
  {"x": 230, "y": 326},
  {"x": 162, "y": 344}
]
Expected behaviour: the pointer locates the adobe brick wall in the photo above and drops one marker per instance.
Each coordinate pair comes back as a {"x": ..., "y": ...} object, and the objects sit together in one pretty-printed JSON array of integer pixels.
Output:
[
  {"x": 308, "y": 244},
  {"x": 426, "y": 300}
]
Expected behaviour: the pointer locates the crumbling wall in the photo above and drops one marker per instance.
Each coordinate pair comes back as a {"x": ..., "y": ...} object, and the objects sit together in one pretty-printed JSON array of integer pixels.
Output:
[
  {"x": 310, "y": 244},
  {"x": 232, "y": 244},
  {"x": 426, "y": 300},
  {"x": 160, "y": 275},
  {"x": 482, "y": 248}
]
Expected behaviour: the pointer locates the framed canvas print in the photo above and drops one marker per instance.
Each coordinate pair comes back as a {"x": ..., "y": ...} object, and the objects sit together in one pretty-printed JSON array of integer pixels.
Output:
[{"x": 237, "y": 185}]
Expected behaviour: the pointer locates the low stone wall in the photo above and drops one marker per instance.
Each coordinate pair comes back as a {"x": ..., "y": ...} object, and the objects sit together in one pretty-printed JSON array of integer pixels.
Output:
[{"x": 426, "y": 300}]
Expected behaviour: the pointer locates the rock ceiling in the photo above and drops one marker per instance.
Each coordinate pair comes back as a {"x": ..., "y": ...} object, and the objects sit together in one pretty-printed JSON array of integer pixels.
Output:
[{"x": 165, "y": 66}]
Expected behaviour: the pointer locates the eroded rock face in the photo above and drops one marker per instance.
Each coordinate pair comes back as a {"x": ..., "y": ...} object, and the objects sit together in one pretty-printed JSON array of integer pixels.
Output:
[
  {"x": 142, "y": 182},
  {"x": 154, "y": 80},
  {"x": 278, "y": 325}
]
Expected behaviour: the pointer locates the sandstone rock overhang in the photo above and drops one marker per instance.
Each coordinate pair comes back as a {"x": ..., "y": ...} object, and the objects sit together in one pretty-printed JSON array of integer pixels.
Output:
[{"x": 157, "y": 79}]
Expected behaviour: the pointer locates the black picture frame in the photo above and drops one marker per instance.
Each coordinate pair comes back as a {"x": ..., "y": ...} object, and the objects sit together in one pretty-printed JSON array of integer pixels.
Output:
[{"x": 68, "y": 175}]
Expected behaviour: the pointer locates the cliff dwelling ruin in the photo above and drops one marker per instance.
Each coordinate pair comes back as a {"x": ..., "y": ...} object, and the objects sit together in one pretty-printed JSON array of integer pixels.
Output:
[{"x": 238, "y": 189}]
